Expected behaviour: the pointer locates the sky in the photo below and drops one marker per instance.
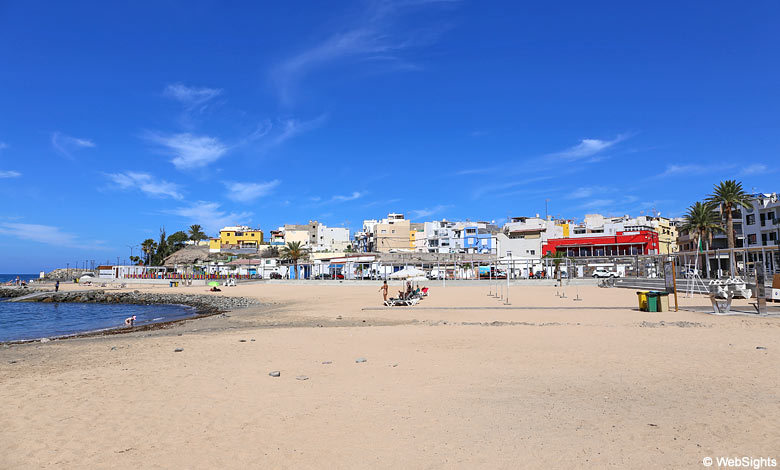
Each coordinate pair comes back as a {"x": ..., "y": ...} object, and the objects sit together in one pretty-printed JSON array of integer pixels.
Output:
[{"x": 118, "y": 120}]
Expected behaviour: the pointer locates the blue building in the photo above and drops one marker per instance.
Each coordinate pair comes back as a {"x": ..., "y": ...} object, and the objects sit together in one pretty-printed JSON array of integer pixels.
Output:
[{"x": 477, "y": 239}]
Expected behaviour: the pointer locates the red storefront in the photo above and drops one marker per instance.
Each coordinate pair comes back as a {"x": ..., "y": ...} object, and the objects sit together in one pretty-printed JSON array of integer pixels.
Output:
[{"x": 643, "y": 242}]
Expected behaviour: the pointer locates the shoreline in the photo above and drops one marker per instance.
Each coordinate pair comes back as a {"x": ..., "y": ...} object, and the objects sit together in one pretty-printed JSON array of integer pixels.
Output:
[{"x": 204, "y": 305}]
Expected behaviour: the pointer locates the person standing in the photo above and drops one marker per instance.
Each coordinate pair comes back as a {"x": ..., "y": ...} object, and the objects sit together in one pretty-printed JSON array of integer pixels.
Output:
[
  {"x": 57, "y": 286},
  {"x": 384, "y": 289}
]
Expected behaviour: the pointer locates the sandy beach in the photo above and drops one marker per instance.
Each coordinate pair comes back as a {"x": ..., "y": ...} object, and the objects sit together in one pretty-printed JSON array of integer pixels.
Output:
[{"x": 460, "y": 381}]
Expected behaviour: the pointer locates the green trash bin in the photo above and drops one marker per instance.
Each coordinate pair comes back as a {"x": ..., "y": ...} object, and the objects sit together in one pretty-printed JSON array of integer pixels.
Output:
[
  {"x": 642, "y": 297},
  {"x": 652, "y": 301}
]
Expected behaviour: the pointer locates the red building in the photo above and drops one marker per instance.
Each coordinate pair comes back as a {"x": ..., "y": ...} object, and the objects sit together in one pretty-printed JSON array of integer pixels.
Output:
[{"x": 643, "y": 242}]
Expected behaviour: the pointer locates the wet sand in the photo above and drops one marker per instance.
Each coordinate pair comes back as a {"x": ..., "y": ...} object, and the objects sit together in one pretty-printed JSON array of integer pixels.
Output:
[{"x": 594, "y": 383}]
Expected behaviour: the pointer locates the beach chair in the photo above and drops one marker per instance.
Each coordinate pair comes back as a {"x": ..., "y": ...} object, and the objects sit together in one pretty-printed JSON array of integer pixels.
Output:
[{"x": 424, "y": 292}]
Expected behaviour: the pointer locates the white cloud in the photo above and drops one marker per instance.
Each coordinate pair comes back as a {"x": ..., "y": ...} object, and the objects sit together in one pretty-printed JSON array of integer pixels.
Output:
[
  {"x": 66, "y": 144},
  {"x": 586, "y": 192},
  {"x": 146, "y": 183},
  {"x": 375, "y": 39},
  {"x": 427, "y": 212},
  {"x": 191, "y": 97},
  {"x": 685, "y": 170},
  {"x": 292, "y": 127},
  {"x": 191, "y": 151},
  {"x": 246, "y": 192},
  {"x": 3, "y": 146},
  {"x": 755, "y": 169},
  {"x": 351, "y": 197},
  {"x": 210, "y": 216},
  {"x": 46, "y": 234},
  {"x": 9, "y": 174},
  {"x": 587, "y": 148}
]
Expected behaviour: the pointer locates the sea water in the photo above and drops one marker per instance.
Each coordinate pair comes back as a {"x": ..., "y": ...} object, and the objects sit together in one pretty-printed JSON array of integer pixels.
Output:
[
  {"x": 32, "y": 320},
  {"x": 12, "y": 277}
]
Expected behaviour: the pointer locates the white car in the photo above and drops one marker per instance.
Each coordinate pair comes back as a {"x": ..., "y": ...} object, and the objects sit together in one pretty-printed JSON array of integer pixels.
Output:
[{"x": 602, "y": 272}]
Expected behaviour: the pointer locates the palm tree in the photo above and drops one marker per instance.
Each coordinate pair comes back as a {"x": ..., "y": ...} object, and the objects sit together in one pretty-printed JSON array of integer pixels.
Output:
[
  {"x": 729, "y": 195},
  {"x": 196, "y": 233},
  {"x": 702, "y": 221},
  {"x": 293, "y": 251},
  {"x": 556, "y": 258},
  {"x": 148, "y": 247}
]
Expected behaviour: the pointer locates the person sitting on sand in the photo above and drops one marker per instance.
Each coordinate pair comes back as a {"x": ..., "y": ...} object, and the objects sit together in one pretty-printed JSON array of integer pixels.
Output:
[
  {"x": 130, "y": 321},
  {"x": 215, "y": 289},
  {"x": 384, "y": 289}
]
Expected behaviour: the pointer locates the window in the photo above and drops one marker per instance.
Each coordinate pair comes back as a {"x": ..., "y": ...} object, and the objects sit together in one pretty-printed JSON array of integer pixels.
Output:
[
  {"x": 763, "y": 239},
  {"x": 752, "y": 239},
  {"x": 533, "y": 252},
  {"x": 751, "y": 219}
]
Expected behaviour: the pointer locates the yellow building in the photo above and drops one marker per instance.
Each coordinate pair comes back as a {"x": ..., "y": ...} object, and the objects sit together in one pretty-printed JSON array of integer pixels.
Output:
[
  {"x": 667, "y": 236},
  {"x": 236, "y": 237}
]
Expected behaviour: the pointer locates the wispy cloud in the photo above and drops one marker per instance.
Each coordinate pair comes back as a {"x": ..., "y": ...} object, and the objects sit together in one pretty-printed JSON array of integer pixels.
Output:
[
  {"x": 247, "y": 192},
  {"x": 587, "y": 148},
  {"x": 191, "y": 97},
  {"x": 497, "y": 189},
  {"x": 48, "y": 235},
  {"x": 210, "y": 215},
  {"x": 383, "y": 201},
  {"x": 586, "y": 192},
  {"x": 290, "y": 128},
  {"x": 756, "y": 169},
  {"x": 146, "y": 183},
  {"x": 189, "y": 150},
  {"x": 375, "y": 37},
  {"x": 427, "y": 212},
  {"x": 66, "y": 144},
  {"x": 691, "y": 169},
  {"x": 318, "y": 201},
  {"x": 350, "y": 197},
  {"x": 3, "y": 146},
  {"x": 9, "y": 174}
]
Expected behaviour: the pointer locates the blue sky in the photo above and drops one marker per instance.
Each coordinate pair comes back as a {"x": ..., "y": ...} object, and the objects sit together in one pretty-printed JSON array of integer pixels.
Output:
[{"x": 118, "y": 120}]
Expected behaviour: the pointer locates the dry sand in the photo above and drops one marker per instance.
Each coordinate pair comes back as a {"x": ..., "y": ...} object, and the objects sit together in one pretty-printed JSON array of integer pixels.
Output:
[{"x": 563, "y": 385}]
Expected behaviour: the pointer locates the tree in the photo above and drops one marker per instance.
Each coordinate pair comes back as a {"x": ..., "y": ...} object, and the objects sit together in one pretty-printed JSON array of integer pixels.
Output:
[
  {"x": 196, "y": 233},
  {"x": 702, "y": 221},
  {"x": 294, "y": 252},
  {"x": 270, "y": 252},
  {"x": 729, "y": 195},
  {"x": 176, "y": 241},
  {"x": 149, "y": 247},
  {"x": 162, "y": 249},
  {"x": 556, "y": 258}
]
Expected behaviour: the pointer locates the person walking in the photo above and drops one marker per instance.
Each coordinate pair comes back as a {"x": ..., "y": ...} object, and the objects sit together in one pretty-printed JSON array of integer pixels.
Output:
[{"x": 384, "y": 289}]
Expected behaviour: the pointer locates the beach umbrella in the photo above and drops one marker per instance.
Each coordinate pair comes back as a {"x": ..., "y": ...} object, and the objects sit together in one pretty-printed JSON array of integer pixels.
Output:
[
  {"x": 214, "y": 283},
  {"x": 407, "y": 273}
]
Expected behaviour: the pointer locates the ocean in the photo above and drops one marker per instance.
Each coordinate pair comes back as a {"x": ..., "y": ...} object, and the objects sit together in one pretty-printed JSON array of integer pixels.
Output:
[
  {"x": 12, "y": 277},
  {"x": 32, "y": 320}
]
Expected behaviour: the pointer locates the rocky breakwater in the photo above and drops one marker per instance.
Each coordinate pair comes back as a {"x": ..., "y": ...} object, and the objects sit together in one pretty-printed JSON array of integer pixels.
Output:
[
  {"x": 206, "y": 304},
  {"x": 14, "y": 291}
]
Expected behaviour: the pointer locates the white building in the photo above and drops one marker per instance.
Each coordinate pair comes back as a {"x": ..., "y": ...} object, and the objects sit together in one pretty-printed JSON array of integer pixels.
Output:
[
  {"x": 316, "y": 237},
  {"x": 761, "y": 227}
]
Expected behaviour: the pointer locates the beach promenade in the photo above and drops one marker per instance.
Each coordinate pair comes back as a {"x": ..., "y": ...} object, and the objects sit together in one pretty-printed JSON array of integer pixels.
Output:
[{"x": 455, "y": 382}]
